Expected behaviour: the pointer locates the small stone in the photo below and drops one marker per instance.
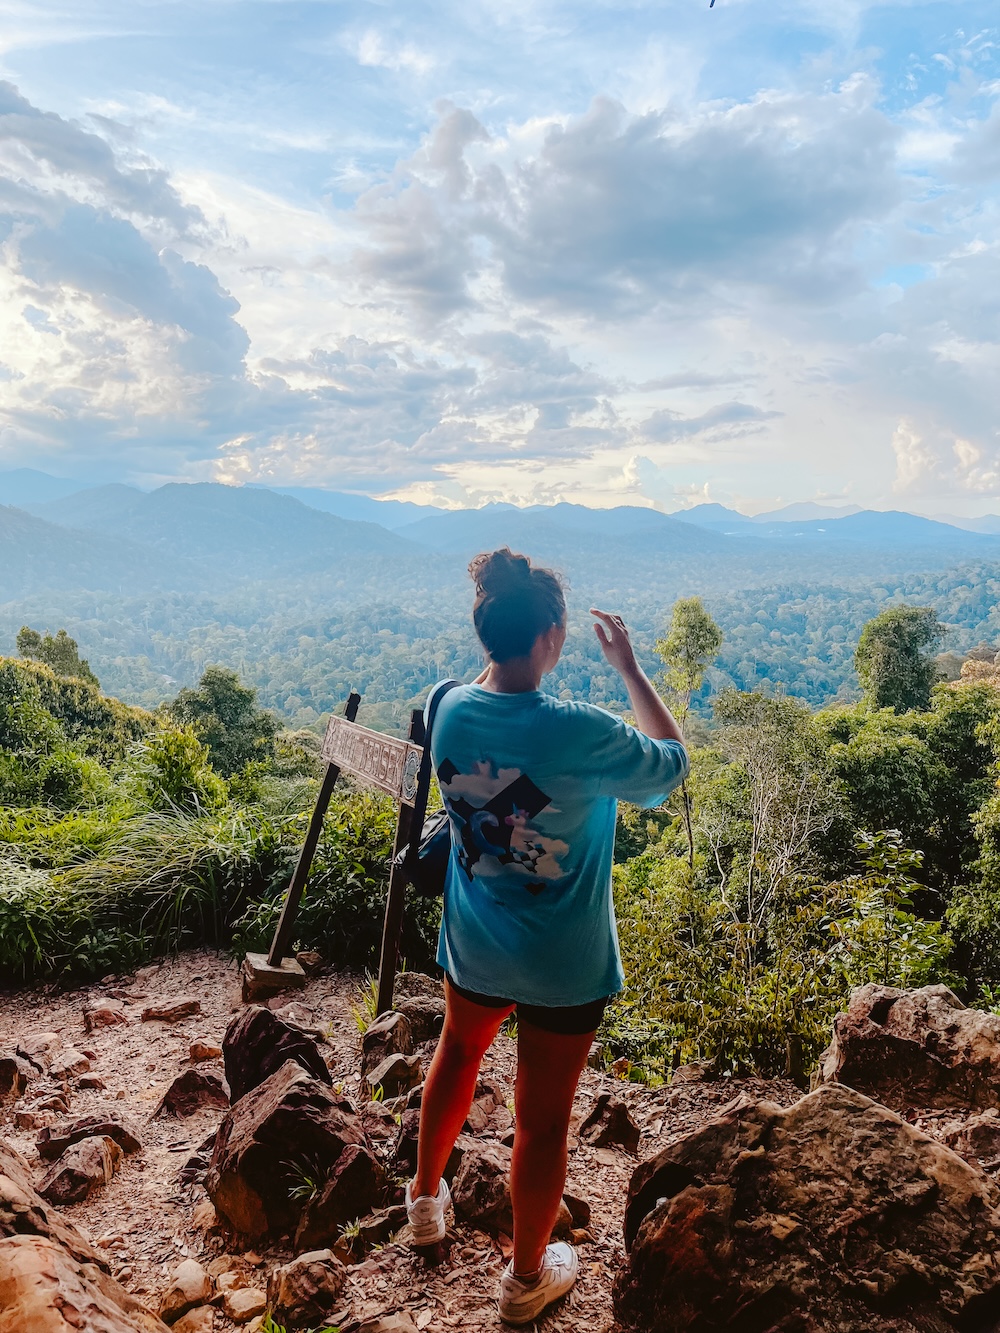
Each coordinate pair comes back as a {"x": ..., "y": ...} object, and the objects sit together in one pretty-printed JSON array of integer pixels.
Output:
[
  {"x": 610, "y": 1124},
  {"x": 396, "y": 1074},
  {"x": 92, "y": 1083},
  {"x": 310, "y": 961},
  {"x": 52, "y": 1143},
  {"x": 229, "y": 1281},
  {"x": 81, "y": 1170},
  {"x": 595, "y": 1059},
  {"x": 392, "y": 1323},
  {"x": 201, "y": 1320},
  {"x": 15, "y": 1075},
  {"x": 106, "y": 1014},
  {"x": 171, "y": 1013},
  {"x": 205, "y": 1050},
  {"x": 191, "y": 1092},
  {"x": 308, "y": 1289},
  {"x": 261, "y": 980},
  {"x": 242, "y": 1305},
  {"x": 190, "y": 1286},
  {"x": 390, "y": 1034},
  {"x": 68, "y": 1063},
  {"x": 425, "y": 1014},
  {"x": 40, "y": 1047}
]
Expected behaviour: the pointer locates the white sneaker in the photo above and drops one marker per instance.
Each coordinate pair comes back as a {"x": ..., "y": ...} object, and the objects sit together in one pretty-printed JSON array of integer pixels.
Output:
[
  {"x": 426, "y": 1214},
  {"x": 522, "y": 1302}
]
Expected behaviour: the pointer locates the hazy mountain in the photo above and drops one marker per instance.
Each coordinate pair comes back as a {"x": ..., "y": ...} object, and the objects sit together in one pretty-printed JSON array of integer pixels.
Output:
[
  {"x": 890, "y": 529},
  {"x": 805, "y": 510},
  {"x": 988, "y": 523},
  {"x": 25, "y": 486},
  {"x": 558, "y": 531},
  {"x": 244, "y": 532},
  {"x": 715, "y": 517},
  {"x": 37, "y": 556},
  {"x": 361, "y": 508}
]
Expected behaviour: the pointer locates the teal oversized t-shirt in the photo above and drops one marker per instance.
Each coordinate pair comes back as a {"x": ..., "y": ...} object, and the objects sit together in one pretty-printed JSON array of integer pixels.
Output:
[{"x": 531, "y": 786}]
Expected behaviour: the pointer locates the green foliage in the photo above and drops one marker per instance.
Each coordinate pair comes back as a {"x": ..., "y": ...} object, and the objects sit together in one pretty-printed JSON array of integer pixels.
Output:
[
  {"x": 174, "y": 772},
  {"x": 269, "y": 1326},
  {"x": 894, "y": 658},
  {"x": 691, "y": 644},
  {"x": 37, "y": 765},
  {"x": 708, "y": 982},
  {"x": 344, "y": 904},
  {"x": 61, "y": 653},
  {"x": 224, "y": 714}
]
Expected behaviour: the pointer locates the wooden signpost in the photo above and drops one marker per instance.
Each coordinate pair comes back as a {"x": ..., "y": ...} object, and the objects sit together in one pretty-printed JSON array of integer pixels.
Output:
[{"x": 392, "y": 766}]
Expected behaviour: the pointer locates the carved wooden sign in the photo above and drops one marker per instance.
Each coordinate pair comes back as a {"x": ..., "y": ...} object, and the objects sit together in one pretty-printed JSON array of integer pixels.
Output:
[{"x": 380, "y": 761}]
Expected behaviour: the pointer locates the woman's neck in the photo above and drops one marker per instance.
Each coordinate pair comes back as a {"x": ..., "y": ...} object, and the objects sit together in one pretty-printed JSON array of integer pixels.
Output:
[{"x": 518, "y": 676}]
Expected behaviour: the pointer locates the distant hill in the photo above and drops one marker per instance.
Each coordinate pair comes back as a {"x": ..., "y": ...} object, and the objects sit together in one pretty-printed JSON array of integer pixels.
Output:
[
  {"x": 805, "y": 510},
  {"x": 36, "y": 556},
  {"x": 361, "y": 508},
  {"x": 244, "y": 532},
  {"x": 24, "y": 486},
  {"x": 715, "y": 517},
  {"x": 560, "y": 532},
  {"x": 883, "y": 529}
]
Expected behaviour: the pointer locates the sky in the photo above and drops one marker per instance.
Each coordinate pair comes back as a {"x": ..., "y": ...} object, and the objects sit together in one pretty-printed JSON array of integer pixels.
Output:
[{"x": 619, "y": 252}]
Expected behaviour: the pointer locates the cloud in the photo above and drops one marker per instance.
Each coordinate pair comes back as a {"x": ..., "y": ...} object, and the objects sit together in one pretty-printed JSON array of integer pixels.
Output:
[
  {"x": 724, "y": 421},
  {"x": 614, "y": 212}
]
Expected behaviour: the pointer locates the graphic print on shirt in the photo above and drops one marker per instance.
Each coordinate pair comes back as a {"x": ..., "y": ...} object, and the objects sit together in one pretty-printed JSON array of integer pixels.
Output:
[{"x": 492, "y": 810}]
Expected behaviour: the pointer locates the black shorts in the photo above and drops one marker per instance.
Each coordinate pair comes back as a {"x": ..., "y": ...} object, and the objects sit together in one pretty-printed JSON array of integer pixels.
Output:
[{"x": 573, "y": 1020}]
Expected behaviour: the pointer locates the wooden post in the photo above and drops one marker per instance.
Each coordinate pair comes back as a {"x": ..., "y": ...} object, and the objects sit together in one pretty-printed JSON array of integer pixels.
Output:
[
  {"x": 396, "y": 899},
  {"x": 290, "y": 911}
]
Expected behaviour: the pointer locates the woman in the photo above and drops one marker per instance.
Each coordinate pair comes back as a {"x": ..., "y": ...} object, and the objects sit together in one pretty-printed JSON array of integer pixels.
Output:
[{"x": 530, "y": 784}]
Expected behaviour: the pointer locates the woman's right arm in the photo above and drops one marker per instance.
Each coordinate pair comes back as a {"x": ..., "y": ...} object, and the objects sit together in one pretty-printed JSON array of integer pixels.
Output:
[{"x": 652, "y": 716}]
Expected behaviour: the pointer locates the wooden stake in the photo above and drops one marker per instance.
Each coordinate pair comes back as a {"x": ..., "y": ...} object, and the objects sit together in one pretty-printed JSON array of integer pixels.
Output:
[
  {"x": 289, "y": 913},
  {"x": 396, "y": 900}
]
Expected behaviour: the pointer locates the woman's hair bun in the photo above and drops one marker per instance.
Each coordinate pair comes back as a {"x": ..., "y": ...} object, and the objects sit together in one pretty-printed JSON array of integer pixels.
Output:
[
  {"x": 515, "y": 602},
  {"x": 500, "y": 571}
]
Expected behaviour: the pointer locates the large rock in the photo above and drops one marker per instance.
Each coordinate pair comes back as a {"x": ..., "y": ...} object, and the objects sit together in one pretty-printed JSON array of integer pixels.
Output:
[
  {"x": 257, "y": 1043},
  {"x": 290, "y": 1126},
  {"x": 85, "y": 1167},
  {"x": 355, "y": 1185},
  {"x": 915, "y": 1048},
  {"x": 830, "y": 1216},
  {"x": 44, "y": 1290},
  {"x": 23, "y": 1211},
  {"x": 304, "y": 1292},
  {"x": 481, "y": 1191}
]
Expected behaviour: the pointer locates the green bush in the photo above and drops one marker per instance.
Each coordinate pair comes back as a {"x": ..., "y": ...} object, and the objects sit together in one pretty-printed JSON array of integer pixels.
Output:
[{"x": 343, "y": 908}]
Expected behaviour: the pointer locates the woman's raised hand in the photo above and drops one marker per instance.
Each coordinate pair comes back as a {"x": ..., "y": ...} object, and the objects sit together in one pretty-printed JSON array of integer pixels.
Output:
[{"x": 615, "y": 642}]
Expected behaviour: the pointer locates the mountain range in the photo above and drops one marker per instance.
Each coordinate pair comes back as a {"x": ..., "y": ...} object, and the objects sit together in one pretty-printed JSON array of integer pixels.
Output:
[{"x": 207, "y": 536}]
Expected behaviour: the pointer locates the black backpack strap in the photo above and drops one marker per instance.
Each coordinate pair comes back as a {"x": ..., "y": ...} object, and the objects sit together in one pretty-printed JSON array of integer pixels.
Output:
[{"x": 424, "y": 775}]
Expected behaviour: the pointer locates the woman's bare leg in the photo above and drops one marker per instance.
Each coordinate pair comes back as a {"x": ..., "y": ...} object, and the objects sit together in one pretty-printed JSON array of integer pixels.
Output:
[
  {"x": 451, "y": 1084},
  {"x": 549, "y": 1066}
]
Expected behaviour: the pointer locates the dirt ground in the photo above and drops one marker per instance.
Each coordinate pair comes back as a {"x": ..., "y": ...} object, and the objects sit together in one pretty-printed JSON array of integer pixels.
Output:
[{"x": 148, "y": 1219}]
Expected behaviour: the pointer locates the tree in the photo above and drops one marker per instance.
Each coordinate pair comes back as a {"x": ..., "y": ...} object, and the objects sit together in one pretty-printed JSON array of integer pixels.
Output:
[
  {"x": 894, "y": 658},
  {"x": 60, "y": 652},
  {"x": 224, "y": 715},
  {"x": 691, "y": 644}
]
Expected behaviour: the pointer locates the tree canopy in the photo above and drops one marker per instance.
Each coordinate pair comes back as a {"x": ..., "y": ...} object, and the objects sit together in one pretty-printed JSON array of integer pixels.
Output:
[{"x": 893, "y": 658}]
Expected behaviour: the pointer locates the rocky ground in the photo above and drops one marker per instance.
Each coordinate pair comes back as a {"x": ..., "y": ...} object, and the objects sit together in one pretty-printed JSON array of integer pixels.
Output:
[
  {"x": 115, "y": 1052},
  {"x": 149, "y": 1216}
]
